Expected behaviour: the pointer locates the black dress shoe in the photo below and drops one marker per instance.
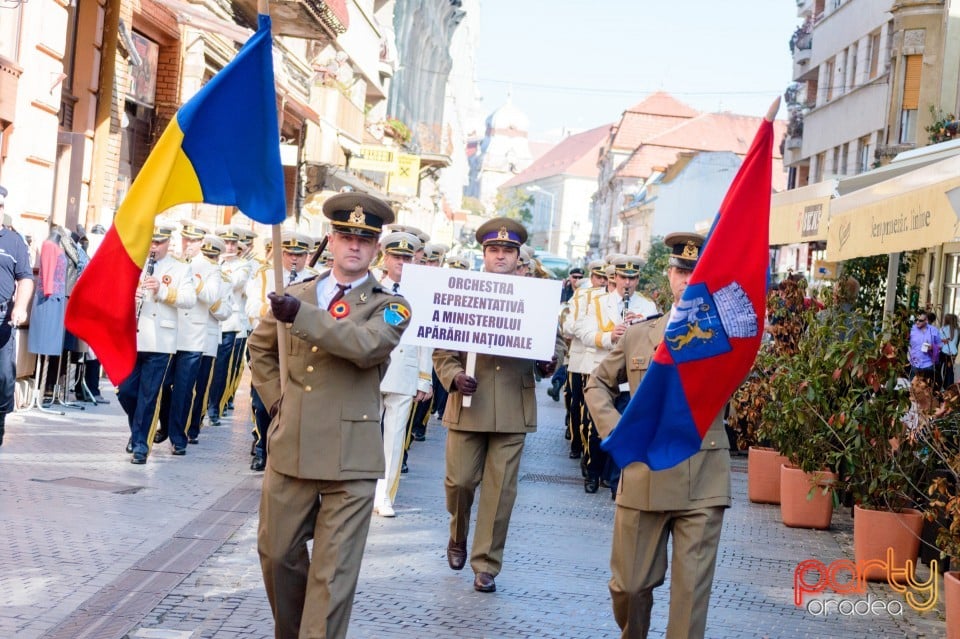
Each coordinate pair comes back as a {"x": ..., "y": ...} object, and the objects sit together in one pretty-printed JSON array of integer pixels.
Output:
[
  {"x": 139, "y": 458},
  {"x": 258, "y": 464},
  {"x": 159, "y": 437},
  {"x": 419, "y": 437},
  {"x": 179, "y": 451},
  {"x": 574, "y": 454},
  {"x": 193, "y": 440},
  {"x": 129, "y": 447},
  {"x": 214, "y": 420},
  {"x": 404, "y": 469},
  {"x": 100, "y": 399},
  {"x": 591, "y": 485},
  {"x": 457, "y": 554},
  {"x": 483, "y": 582}
]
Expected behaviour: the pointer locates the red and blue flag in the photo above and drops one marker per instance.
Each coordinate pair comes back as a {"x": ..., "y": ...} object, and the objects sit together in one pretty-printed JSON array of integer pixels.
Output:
[
  {"x": 714, "y": 330},
  {"x": 221, "y": 147}
]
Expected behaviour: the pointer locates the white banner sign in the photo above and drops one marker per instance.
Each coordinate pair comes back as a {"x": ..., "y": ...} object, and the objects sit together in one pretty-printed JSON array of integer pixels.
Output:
[{"x": 481, "y": 312}]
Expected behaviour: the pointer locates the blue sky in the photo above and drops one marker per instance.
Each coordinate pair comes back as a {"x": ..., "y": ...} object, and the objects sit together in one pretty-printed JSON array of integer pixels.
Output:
[{"x": 580, "y": 63}]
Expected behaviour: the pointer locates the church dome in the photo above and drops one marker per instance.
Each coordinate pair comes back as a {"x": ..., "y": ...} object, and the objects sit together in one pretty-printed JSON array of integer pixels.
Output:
[{"x": 508, "y": 117}]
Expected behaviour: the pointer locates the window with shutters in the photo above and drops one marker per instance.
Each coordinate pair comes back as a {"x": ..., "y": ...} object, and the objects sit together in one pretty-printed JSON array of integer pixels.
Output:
[
  {"x": 874, "y": 54},
  {"x": 863, "y": 154},
  {"x": 910, "y": 102}
]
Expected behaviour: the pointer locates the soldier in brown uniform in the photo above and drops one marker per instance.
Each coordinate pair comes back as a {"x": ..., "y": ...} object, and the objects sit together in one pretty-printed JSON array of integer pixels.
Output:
[
  {"x": 685, "y": 502},
  {"x": 324, "y": 442},
  {"x": 485, "y": 440}
]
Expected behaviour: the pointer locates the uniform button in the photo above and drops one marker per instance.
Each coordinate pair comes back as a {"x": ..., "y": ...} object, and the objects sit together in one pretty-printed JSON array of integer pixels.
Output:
[
  {"x": 498, "y": 368},
  {"x": 364, "y": 417},
  {"x": 308, "y": 388},
  {"x": 713, "y": 443},
  {"x": 309, "y": 369},
  {"x": 313, "y": 349}
]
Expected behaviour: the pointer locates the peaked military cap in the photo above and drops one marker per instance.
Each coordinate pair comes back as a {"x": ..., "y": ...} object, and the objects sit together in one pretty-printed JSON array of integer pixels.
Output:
[
  {"x": 296, "y": 243},
  {"x": 357, "y": 213},
  {"x": 163, "y": 230},
  {"x": 502, "y": 231},
  {"x": 627, "y": 265},
  {"x": 412, "y": 230},
  {"x": 212, "y": 245},
  {"x": 193, "y": 230},
  {"x": 684, "y": 249},
  {"x": 245, "y": 234},
  {"x": 434, "y": 252},
  {"x": 596, "y": 267},
  {"x": 228, "y": 232},
  {"x": 458, "y": 263},
  {"x": 400, "y": 243}
]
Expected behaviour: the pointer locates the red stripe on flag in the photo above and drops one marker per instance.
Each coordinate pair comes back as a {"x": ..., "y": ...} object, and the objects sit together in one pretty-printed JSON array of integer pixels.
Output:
[{"x": 101, "y": 308}]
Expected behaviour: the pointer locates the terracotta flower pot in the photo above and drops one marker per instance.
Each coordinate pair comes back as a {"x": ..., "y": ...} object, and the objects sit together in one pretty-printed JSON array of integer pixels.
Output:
[
  {"x": 763, "y": 475},
  {"x": 876, "y": 531},
  {"x": 951, "y": 601},
  {"x": 798, "y": 507}
]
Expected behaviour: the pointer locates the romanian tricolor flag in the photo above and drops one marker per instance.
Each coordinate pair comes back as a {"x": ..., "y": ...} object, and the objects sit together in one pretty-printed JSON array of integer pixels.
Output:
[
  {"x": 714, "y": 330},
  {"x": 222, "y": 147}
]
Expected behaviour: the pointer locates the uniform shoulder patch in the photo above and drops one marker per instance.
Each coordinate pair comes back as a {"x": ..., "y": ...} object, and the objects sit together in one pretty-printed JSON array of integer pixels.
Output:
[{"x": 396, "y": 314}]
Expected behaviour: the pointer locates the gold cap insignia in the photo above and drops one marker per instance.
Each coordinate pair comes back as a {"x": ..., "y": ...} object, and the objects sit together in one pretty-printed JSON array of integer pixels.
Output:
[
  {"x": 404, "y": 245},
  {"x": 630, "y": 266},
  {"x": 357, "y": 216},
  {"x": 690, "y": 251},
  {"x": 502, "y": 234}
]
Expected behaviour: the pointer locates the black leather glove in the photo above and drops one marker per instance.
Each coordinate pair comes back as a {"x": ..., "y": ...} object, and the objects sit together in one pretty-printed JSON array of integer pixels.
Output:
[
  {"x": 285, "y": 307},
  {"x": 465, "y": 384},
  {"x": 547, "y": 368}
]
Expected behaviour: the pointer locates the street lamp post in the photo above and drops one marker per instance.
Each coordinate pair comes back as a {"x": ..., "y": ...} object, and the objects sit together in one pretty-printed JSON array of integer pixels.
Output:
[{"x": 533, "y": 188}]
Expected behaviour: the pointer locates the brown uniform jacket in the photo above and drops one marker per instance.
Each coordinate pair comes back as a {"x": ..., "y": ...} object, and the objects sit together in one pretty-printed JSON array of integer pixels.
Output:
[
  {"x": 699, "y": 482},
  {"x": 328, "y": 425},
  {"x": 496, "y": 407}
]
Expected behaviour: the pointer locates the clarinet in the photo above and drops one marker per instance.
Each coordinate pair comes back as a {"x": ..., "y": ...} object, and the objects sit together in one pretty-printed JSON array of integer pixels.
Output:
[
  {"x": 293, "y": 275},
  {"x": 626, "y": 306},
  {"x": 151, "y": 262}
]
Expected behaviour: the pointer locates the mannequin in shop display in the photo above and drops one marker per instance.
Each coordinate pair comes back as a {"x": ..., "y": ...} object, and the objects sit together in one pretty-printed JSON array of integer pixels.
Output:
[{"x": 50, "y": 301}]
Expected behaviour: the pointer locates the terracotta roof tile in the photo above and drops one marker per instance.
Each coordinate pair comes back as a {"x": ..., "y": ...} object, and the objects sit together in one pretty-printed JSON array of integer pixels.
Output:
[
  {"x": 662, "y": 103},
  {"x": 575, "y": 155}
]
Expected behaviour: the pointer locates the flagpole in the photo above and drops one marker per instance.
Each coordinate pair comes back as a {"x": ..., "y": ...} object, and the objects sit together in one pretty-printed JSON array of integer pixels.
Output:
[{"x": 263, "y": 8}]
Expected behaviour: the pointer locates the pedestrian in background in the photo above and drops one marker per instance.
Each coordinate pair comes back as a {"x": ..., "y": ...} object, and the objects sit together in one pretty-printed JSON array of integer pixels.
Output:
[
  {"x": 924, "y": 347},
  {"x": 16, "y": 291},
  {"x": 949, "y": 335}
]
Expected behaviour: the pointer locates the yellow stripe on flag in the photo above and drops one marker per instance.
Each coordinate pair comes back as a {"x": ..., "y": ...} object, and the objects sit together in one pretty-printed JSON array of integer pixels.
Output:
[{"x": 166, "y": 179}]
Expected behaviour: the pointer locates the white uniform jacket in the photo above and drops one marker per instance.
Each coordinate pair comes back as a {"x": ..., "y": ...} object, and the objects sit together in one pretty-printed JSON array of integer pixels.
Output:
[
  {"x": 237, "y": 271},
  {"x": 578, "y": 305},
  {"x": 157, "y": 325},
  {"x": 604, "y": 312},
  {"x": 193, "y": 325},
  {"x": 410, "y": 368}
]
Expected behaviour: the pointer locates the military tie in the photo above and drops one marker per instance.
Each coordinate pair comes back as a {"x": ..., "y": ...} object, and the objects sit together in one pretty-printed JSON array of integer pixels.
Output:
[
  {"x": 396, "y": 287},
  {"x": 341, "y": 291},
  {"x": 293, "y": 276}
]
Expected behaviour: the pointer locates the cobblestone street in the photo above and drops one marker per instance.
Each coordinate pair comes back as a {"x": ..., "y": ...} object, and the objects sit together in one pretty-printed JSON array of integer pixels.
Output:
[{"x": 98, "y": 548}]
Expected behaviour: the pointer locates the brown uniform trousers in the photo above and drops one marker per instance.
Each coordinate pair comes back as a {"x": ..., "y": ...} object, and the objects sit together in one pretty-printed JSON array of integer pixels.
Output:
[
  {"x": 484, "y": 445},
  {"x": 325, "y": 454},
  {"x": 686, "y": 501}
]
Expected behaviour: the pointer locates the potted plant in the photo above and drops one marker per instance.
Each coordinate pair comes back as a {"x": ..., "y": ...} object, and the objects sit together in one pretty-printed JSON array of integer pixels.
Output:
[
  {"x": 805, "y": 419},
  {"x": 938, "y": 429},
  {"x": 785, "y": 326}
]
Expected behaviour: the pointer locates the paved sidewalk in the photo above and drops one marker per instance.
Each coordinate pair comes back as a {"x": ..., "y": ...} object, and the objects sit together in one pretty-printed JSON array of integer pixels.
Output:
[{"x": 96, "y": 547}]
